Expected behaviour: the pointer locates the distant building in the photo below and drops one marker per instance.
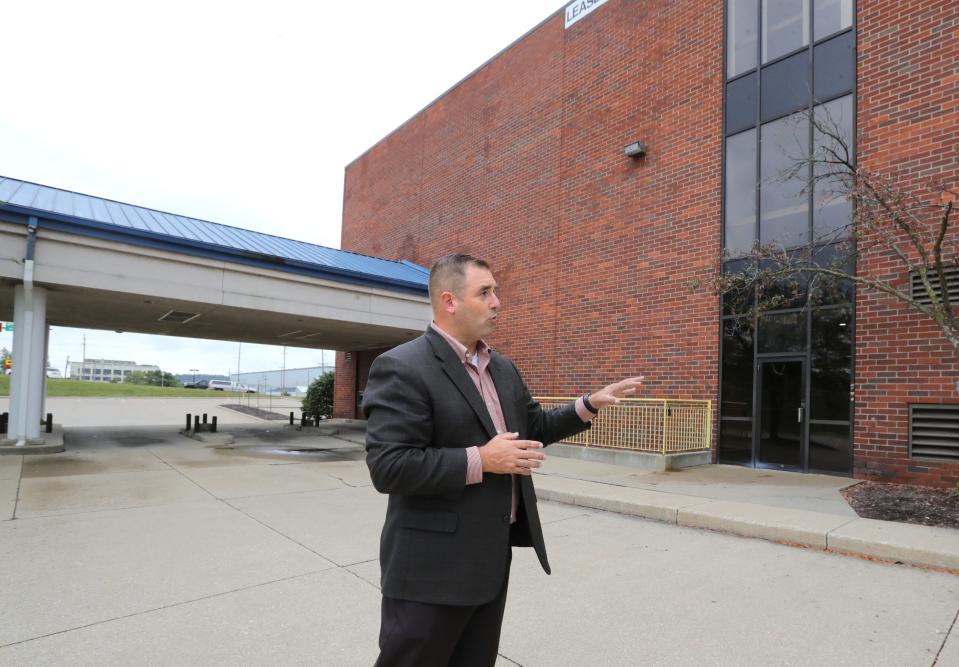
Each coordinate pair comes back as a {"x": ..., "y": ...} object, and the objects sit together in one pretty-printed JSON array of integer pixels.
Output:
[
  {"x": 292, "y": 381},
  {"x": 105, "y": 370}
]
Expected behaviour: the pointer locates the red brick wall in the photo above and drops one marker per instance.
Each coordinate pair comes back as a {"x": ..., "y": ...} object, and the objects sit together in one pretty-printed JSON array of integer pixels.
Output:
[
  {"x": 523, "y": 164},
  {"x": 351, "y": 377},
  {"x": 344, "y": 386},
  {"x": 908, "y": 97}
]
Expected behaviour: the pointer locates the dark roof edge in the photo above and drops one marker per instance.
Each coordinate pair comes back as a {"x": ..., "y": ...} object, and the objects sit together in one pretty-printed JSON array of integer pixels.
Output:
[
  {"x": 421, "y": 269},
  {"x": 92, "y": 229},
  {"x": 457, "y": 84}
]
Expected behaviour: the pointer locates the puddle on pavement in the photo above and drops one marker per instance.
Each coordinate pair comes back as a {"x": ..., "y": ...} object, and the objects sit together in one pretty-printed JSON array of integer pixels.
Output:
[
  {"x": 297, "y": 453},
  {"x": 276, "y": 435},
  {"x": 137, "y": 440}
]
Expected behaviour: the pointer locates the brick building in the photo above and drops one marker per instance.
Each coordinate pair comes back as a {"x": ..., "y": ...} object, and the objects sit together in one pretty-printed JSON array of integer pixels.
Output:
[{"x": 523, "y": 163}]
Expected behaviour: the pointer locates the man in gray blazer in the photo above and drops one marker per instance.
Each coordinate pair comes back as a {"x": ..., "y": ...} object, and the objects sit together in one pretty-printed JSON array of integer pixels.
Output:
[{"x": 453, "y": 436}]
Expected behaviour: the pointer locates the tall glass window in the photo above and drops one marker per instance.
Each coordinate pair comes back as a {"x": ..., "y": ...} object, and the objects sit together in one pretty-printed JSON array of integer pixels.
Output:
[
  {"x": 832, "y": 16},
  {"x": 737, "y": 378},
  {"x": 832, "y": 138},
  {"x": 805, "y": 70},
  {"x": 736, "y": 425},
  {"x": 783, "y": 205},
  {"x": 785, "y": 27},
  {"x": 742, "y": 19},
  {"x": 740, "y": 192},
  {"x": 831, "y": 382}
]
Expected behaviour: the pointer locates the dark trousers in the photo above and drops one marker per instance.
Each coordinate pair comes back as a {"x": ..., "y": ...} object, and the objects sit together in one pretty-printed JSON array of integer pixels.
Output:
[{"x": 417, "y": 634}]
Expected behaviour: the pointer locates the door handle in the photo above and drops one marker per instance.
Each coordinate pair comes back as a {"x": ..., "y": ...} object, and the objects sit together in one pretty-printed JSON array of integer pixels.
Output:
[{"x": 799, "y": 414}]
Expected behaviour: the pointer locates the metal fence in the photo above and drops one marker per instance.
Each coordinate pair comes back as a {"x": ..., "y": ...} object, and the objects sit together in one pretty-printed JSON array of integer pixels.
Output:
[{"x": 655, "y": 425}]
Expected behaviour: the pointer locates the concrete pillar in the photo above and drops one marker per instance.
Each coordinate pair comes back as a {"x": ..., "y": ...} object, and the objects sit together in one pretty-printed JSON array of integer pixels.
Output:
[
  {"x": 29, "y": 357},
  {"x": 46, "y": 363}
]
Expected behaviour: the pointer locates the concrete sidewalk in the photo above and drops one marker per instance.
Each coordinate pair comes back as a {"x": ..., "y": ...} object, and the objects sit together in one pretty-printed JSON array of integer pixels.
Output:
[{"x": 785, "y": 507}]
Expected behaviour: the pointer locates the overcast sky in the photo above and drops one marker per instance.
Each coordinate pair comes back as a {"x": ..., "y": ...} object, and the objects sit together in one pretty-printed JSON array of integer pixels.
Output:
[{"x": 237, "y": 112}]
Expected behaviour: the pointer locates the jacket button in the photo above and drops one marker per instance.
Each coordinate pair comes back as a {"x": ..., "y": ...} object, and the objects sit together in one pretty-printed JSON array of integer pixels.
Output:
[{"x": 506, "y": 518}]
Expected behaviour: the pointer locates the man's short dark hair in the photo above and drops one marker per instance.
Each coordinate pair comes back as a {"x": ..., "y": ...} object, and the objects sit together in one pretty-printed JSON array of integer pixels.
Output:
[{"x": 449, "y": 273}]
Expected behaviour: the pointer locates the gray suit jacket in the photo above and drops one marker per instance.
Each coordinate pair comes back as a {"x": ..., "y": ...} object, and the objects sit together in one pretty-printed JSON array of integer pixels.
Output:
[{"x": 444, "y": 542}]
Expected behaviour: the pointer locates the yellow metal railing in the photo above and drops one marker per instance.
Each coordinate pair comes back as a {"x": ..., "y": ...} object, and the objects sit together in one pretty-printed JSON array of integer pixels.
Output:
[{"x": 659, "y": 425}]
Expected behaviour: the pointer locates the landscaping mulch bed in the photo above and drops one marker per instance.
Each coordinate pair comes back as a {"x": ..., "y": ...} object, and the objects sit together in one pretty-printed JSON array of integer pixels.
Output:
[
  {"x": 256, "y": 412},
  {"x": 909, "y": 504}
]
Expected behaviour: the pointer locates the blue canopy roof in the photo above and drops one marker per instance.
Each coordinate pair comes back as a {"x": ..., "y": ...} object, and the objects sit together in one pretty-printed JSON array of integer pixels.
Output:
[{"x": 104, "y": 218}]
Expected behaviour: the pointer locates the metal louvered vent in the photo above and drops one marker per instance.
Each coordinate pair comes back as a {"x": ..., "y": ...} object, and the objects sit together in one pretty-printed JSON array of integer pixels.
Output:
[
  {"x": 178, "y": 317},
  {"x": 952, "y": 281},
  {"x": 934, "y": 432}
]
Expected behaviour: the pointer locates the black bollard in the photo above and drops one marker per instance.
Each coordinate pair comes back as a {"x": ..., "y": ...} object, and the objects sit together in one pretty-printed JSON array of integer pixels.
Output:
[
  {"x": 196, "y": 423},
  {"x": 49, "y": 422},
  {"x": 291, "y": 418},
  {"x": 204, "y": 418},
  {"x": 4, "y": 418},
  {"x": 189, "y": 421},
  {"x": 213, "y": 425}
]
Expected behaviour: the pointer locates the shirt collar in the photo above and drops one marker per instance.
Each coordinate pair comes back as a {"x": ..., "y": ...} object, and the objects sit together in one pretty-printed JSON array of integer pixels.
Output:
[{"x": 482, "y": 349}]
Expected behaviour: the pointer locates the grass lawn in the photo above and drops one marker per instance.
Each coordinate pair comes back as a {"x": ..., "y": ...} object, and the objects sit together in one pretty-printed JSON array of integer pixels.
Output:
[{"x": 79, "y": 388}]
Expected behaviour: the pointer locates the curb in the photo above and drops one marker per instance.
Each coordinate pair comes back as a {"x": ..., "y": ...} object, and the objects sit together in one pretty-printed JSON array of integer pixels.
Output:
[
  {"x": 47, "y": 443},
  {"x": 926, "y": 546}
]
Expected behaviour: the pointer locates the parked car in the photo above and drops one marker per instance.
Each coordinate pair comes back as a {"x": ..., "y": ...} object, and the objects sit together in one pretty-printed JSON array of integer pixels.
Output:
[
  {"x": 226, "y": 385},
  {"x": 54, "y": 373},
  {"x": 199, "y": 384}
]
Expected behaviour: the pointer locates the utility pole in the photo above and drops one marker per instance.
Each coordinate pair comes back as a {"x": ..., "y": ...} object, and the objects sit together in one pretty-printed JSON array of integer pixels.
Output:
[
  {"x": 238, "y": 347},
  {"x": 283, "y": 372},
  {"x": 83, "y": 366}
]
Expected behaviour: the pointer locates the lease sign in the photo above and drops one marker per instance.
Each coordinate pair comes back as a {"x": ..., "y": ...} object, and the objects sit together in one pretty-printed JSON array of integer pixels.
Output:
[{"x": 579, "y": 9}]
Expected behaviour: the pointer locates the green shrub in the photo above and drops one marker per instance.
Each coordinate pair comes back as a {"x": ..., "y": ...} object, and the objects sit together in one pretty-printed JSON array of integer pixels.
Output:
[
  {"x": 152, "y": 378},
  {"x": 319, "y": 396}
]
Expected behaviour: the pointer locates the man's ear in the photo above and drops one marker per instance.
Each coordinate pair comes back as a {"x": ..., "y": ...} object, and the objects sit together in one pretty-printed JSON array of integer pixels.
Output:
[{"x": 448, "y": 302}]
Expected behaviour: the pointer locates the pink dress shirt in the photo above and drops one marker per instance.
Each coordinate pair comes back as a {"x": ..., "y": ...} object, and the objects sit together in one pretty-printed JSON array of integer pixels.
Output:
[{"x": 477, "y": 367}]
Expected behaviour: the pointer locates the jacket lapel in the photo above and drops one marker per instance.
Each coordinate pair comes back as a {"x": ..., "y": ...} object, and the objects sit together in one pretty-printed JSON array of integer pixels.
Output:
[
  {"x": 501, "y": 373},
  {"x": 456, "y": 372}
]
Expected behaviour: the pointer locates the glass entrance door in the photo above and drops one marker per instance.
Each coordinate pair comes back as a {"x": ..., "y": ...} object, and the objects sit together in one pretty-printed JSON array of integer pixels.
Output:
[{"x": 782, "y": 414}]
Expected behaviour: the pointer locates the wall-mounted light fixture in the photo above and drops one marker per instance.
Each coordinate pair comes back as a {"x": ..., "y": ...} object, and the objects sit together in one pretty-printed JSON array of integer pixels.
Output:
[{"x": 635, "y": 150}]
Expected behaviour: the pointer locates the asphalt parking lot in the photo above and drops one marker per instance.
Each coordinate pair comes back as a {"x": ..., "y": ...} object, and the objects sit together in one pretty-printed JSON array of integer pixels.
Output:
[{"x": 142, "y": 546}]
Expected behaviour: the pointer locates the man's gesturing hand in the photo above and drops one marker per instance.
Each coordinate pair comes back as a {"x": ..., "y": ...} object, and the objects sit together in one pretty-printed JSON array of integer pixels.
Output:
[
  {"x": 610, "y": 394},
  {"x": 504, "y": 454}
]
